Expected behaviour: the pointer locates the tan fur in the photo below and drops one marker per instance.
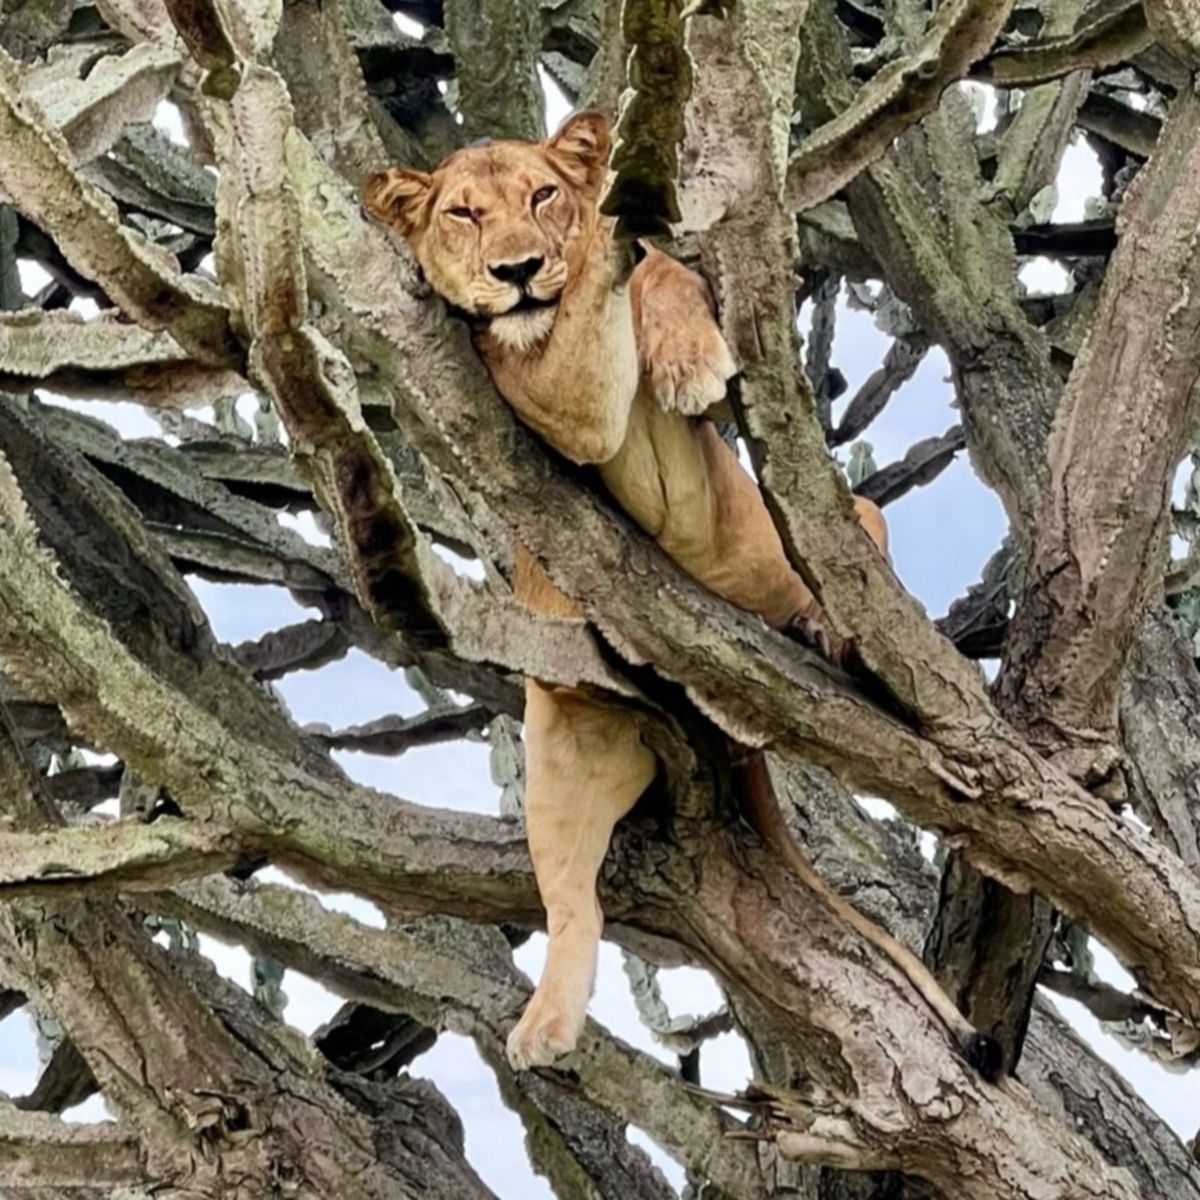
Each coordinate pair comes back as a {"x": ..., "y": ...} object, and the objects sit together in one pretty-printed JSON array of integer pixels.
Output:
[{"x": 619, "y": 378}]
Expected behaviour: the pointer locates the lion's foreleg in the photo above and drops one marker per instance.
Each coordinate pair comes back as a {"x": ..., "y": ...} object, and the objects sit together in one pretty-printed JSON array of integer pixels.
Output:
[
  {"x": 585, "y": 768},
  {"x": 576, "y": 390}
]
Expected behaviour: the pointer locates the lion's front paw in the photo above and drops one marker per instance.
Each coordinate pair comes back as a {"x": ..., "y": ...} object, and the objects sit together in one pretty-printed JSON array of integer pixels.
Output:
[
  {"x": 547, "y": 1030},
  {"x": 688, "y": 367}
]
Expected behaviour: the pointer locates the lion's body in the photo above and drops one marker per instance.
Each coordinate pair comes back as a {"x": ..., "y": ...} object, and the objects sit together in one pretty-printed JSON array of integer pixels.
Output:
[{"x": 616, "y": 374}]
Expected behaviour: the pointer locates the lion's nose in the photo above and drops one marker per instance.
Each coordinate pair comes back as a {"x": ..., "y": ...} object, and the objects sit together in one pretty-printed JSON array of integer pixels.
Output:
[{"x": 519, "y": 273}]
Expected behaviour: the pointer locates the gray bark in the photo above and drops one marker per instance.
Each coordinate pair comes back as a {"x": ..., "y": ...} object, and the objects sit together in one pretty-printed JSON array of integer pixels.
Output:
[{"x": 789, "y": 140}]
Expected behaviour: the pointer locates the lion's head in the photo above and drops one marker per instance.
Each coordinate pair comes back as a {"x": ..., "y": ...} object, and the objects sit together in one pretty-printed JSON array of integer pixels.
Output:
[{"x": 497, "y": 228}]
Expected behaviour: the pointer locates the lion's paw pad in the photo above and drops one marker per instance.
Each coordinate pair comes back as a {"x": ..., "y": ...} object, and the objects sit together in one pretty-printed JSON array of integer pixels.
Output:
[
  {"x": 542, "y": 1036},
  {"x": 688, "y": 370}
]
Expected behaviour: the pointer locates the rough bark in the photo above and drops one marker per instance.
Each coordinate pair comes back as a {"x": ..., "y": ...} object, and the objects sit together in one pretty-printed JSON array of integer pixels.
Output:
[
  {"x": 1123, "y": 424},
  {"x": 395, "y": 436}
]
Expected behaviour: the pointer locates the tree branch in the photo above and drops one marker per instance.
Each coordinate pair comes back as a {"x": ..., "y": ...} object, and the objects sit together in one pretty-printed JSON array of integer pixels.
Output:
[
  {"x": 395, "y": 574},
  {"x": 66, "y": 1080},
  {"x": 395, "y": 735},
  {"x": 91, "y": 112},
  {"x": 900, "y": 364},
  {"x": 950, "y": 257},
  {"x": 1160, "y": 730},
  {"x": 36, "y": 171},
  {"x": 108, "y": 357},
  {"x": 1098, "y": 549},
  {"x": 1031, "y": 148},
  {"x": 1102, "y": 1000},
  {"x": 451, "y": 408},
  {"x": 1133, "y": 131},
  {"x": 189, "y": 1061},
  {"x": 191, "y": 1064},
  {"x": 38, "y": 1150},
  {"x": 462, "y": 979},
  {"x": 169, "y": 487},
  {"x": 1077, "y": 239},
  {"x": 645, "y": 161},
  {"x": 922, "y": 463},
  {"x": 305, "y": 646},
  {"x": 895, "y": 98},
  {"x": 495, "y": 47},
  {"x": 1073, "y": 1082},
  {"x": 1109, "y": 33},
  {"x": 125, "y": 856},
  {"x": 1176, "y": 27}
]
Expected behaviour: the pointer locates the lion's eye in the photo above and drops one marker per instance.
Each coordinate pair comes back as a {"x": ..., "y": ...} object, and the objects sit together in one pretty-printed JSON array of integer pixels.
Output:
[
  {"x": 542, "y": 195},
  {"x": 463, "y": 213}
]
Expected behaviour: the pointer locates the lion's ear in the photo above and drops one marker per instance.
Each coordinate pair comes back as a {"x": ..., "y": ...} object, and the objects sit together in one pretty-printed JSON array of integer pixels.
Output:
[
  {"x": 580, "y": 149},
  {"x": 398, "y": 197}
]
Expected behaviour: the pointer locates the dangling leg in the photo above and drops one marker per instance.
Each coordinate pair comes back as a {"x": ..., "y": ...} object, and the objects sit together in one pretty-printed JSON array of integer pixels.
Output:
[{"x": 585, "y": 768}]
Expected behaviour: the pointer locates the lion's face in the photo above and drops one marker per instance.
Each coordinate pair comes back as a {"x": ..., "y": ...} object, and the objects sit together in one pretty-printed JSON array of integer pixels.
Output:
[{"x": 497, "y": 228}]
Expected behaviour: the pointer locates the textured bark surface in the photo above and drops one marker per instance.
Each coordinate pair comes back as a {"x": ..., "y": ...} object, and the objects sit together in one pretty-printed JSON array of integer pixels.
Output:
[
  {"x": 1125, "y": 420},
  {"x": 794, "y": 145}
]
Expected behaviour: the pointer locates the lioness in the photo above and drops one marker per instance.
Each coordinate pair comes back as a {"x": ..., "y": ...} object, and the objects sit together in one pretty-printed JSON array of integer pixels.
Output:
[{"x": 617, "y": 375}]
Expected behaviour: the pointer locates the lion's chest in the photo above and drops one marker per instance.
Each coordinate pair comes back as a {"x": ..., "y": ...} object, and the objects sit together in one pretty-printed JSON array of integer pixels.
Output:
[{"x": 578, "y": 389}]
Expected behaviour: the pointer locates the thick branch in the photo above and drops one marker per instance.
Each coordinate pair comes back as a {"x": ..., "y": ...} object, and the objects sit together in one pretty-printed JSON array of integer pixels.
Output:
[
  {"x": 38, "y": 1150},
  {"x": 877, "y": 866},
  {"x": 169, "y": 487},
  {"x": 169, "y": 1045},
  {"x": 645, "y": 162},
  {"x": 1108, "y": 34},
  {"x": 91, "y": 113},
  {"x": 311, "y": 50},
  {"x": 1135, "y": 132},
  {"x": 312, "y": 385},
  {"x": 192, "y": 1064},
  {"x": 1074, "y": 1083},
  {"x": 1078, "y": 239},
  {"x": 1175, "y": 25},
  {"x": 950, "y": 257},
  {"x": 140, "y": 20},
  {"x": 106, "y": 358},
  {"x": 895, "y": 98},
  {"x": 1122, "y": 427},
  {"x": 36, "y": 171},
  {"x": 495, "y": 45},
  {"x": 1031, "y": 148},
  {"x": 1160, "y": 730},
  {"x": 126, "y": 856},
  {"x": 464, "y": 981},
  {"x": 66, "y": 1080}
]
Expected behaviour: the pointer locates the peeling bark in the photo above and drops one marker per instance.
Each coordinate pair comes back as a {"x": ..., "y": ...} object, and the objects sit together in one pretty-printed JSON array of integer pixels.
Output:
[
  {"x": 1124, "y": 422},
  {"x": 395, "y": 433}
]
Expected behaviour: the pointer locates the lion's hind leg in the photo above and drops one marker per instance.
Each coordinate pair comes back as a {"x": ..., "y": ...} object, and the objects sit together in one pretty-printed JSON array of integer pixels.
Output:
[
  {"x": 870, "y": 517},
  {"x": 586, "y": 766}
]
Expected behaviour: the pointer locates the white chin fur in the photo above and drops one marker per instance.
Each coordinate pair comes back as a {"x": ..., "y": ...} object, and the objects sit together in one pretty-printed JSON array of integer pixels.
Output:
[{"x": 522, "y": 331}]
